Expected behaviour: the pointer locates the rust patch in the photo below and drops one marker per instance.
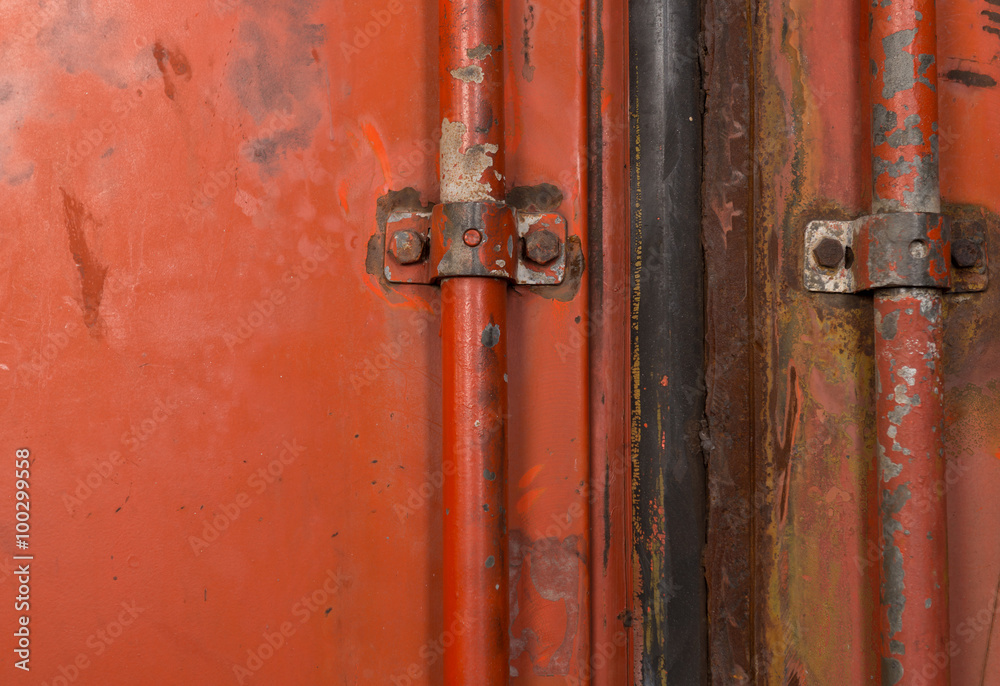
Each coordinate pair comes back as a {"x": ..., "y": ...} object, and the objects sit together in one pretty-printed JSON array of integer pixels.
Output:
[
  {"x": 913, "y": 602},
  {"x": 973, "y": 79},
  {"x": 178, "y": 66},
  {"x": 550, "y": 569},
  {"x": 405, "y": 199},
  {"x": 541, "y": 198},
  {"x": 783, "y": 459},
  {"x": 92, "y": 272},
  {"x": 528, "y": 71},
  {"x": 728, "y": 438},
  {"x": 795, "y": 673},
  {"x": 575, "y": 266}
]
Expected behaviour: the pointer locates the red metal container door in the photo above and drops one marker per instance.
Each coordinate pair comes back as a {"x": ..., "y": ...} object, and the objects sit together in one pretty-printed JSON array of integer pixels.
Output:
[
  {"x": 234, "y": 420},
  {"x": 798, "y": 486}
]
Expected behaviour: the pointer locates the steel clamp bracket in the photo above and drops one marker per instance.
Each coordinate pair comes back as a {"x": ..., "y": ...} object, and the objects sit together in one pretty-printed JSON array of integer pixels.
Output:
[
  {"x": 475, "y": 239},
  {"x": 911, "y": 249}
]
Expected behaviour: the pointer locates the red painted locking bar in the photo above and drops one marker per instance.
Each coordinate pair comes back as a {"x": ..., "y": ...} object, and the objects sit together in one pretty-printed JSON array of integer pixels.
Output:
[
  {"x": 913, "y": 609},
  {"x": 474, "y": 347}
]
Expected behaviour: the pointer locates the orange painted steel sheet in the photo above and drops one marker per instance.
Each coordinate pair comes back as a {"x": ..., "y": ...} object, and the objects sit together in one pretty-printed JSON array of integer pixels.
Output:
[{"x": 234, "y": 421}]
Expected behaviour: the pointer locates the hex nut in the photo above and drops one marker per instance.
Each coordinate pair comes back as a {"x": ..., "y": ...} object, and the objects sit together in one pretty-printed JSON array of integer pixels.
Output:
[
  {"x": 829, "y": 253},
  {"x": 407, "y": 246},
  {"x": 965, "y": 254},
  {"x": 542, "y": 247}
]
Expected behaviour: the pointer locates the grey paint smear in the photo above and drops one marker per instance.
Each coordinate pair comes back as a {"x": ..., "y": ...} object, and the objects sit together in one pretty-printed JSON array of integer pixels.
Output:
[
  {"x": 910, "y": 135},
  {"x": 900, "y": 71},
  {"x": 883, "y": 121},
  {"x": 888, "y": 468},
  {"x": 893, "y": 583},
  {"x": 925, "y": 196},
  {"x": 887, "y": 325},
  {"x": 491, "y": 335}
]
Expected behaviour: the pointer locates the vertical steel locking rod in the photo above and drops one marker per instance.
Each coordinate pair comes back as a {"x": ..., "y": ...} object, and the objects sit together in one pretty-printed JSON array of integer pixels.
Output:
[
  {"x": 474, "y": 347},
  {"x": 913, "y": 608}
]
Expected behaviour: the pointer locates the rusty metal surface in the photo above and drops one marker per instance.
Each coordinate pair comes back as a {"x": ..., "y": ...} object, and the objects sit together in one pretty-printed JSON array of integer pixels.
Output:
[
  {"x": 473, "y": 239},
  {"x": 413, "y": 228},
  {"x": 968, "y": 41},
  {"x": 550, "y": 509},
  {"x": 541, "y": 248},
  {"x": 878, "y": 251},
  {"x": 804, "y": 471},
  {"x": 913, "y": 545},
  {"x": 913, "y": 570},
  {"x": 970, "y": 255},
  {"x": 904, "y": 106},
  {"x": 471, "y": 77},
  {"x": 815, "y": 572},
  {"x": 728, "y": 438}
]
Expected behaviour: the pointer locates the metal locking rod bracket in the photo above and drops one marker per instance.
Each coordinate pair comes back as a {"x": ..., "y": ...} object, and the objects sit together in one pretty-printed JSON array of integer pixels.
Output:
[
  {"x": 475, "y": 239},
  {"x": 904, "y": 249}
]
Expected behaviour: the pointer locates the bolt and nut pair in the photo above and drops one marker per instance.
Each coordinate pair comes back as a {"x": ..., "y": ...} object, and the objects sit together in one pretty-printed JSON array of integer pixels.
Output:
[
  {"x": 408, "y": 246},
  {"x": 965, "y": 254}
]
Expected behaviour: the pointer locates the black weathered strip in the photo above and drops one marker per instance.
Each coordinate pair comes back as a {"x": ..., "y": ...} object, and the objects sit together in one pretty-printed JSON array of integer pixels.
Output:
[{"x": 668, "y": 338}]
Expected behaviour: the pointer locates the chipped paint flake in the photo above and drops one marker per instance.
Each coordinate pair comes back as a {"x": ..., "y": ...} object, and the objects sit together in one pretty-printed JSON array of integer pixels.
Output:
[
  {"x": 480, "y": 52},
  {"x": 462, "y": 170},
  {"x": 470, "y": 74},
  {"x": 888, "y": 468},
  {"x": 909, "y": 374}
]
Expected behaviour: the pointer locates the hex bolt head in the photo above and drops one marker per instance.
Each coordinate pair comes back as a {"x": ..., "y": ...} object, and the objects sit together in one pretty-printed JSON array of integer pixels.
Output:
[
  {"x": 965, "y": 254},
  {"x": 829, "y": 253},
  {"x": 407, "y": 246},
  {"x": 542, "y": 247}
]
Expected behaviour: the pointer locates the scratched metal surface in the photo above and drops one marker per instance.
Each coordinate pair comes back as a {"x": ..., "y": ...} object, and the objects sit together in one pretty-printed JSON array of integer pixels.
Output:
[
  {"x": 235, "y": 425},
  {"x": 795, "y": 486}
]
